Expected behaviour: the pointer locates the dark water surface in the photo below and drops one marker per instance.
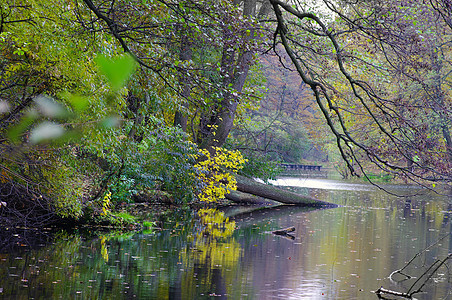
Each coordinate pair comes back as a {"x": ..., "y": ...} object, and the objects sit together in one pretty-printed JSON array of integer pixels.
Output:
[{"x": 340, "y": 253}]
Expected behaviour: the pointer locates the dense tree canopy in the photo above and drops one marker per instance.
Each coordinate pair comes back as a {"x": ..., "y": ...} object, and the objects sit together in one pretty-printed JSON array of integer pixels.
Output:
[
  {"x": 106, "y": 101},
  {"x": 63, "y": 77}
]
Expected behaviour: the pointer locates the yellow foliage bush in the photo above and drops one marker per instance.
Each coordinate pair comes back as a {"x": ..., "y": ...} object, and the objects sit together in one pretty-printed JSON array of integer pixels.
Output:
[
  {"x": 106, "y": 203},
  {"x": 215, "y": 172}
]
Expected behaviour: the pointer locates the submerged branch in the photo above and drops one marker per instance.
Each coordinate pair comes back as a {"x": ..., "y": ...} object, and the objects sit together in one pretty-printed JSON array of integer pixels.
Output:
[
  {"x": 423, "y": 279},
  {"x": 382, "y": 290}
]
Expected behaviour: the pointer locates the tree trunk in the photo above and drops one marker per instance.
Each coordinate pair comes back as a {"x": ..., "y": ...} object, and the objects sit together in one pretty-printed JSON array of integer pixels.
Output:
[
  {"x": 447, "y": 138},
  {"x": 246, "y": 198},
  {"x": 185, "y": 54},
  {"x": 249, "y": 186},
  {"x": 215, "y": 125}
]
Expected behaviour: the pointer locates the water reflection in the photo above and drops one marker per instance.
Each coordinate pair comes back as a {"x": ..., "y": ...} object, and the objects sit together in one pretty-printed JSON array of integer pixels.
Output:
[
  {"x": 212, "y": 261},
  {"x": 340, "y": 253},
  {"x": 327, "y": 184}
]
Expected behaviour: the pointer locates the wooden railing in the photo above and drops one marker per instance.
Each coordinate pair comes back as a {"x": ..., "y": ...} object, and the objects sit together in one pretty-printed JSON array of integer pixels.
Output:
[{"x": 300, "y": 167}]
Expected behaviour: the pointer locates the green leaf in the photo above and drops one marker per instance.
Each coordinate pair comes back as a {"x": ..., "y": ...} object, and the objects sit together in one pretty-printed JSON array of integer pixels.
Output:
[
  {"x": 46, "y": 131},
  {"x": 109, "y": 122},
  {"x": 17, "y": 130},
  {"x": 117, "y": 70},
  {"x": 50, "y": 108},
  {"x": 78, "y": 103},
  {"x": 4, "y": 107}
]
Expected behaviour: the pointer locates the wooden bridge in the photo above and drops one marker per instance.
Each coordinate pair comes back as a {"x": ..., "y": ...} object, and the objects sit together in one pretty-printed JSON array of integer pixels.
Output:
[{"x": 300, "y": 167}]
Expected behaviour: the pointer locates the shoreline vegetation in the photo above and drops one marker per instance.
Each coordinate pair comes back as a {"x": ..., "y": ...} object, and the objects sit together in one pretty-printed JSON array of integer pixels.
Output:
[
  {"x": 104, "y": 104},
  {"x": 143, "y": 211}
]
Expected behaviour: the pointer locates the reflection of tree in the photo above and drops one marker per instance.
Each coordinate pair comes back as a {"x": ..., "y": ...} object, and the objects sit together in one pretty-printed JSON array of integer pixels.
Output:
[
  {"x": 103, "y": 249},
  {"x": 123, "y": 265},
  {"x": 215, "y": 224},
  {"x": 214, "y": 258}
]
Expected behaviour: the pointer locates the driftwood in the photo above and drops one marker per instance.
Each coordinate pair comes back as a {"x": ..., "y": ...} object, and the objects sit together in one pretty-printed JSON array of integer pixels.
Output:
[
  {"x": 381, "y": 291},
  {"x": 285, "y": 232},
  {"x": 288, "y": 236},
  {"x": 250, "y": 186}
]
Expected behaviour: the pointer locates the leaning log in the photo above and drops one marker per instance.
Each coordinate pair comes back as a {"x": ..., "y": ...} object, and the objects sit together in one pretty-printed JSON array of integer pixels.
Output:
[
  {"x": 245, "y": 198},
  {"x": 250, "y": 186}
]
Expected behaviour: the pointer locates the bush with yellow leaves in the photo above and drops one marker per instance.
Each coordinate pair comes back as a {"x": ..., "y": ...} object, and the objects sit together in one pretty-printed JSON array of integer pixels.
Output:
[{"x": 216, "y": 172}]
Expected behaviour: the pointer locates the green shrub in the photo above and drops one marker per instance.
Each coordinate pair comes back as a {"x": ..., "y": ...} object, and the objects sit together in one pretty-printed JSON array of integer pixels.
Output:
[
  {"x": 260, "y": 166},
  {"x": 164, "y": 159}
]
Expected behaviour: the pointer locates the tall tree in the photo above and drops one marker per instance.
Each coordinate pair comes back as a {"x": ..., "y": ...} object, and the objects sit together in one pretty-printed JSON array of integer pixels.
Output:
[
  {"x": 383, "y": 54},
  {"x": 208, "y": 45}
]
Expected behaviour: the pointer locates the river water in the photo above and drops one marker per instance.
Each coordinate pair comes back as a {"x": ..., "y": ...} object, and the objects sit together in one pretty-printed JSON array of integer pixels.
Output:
[{"x": 339, "y": 253}]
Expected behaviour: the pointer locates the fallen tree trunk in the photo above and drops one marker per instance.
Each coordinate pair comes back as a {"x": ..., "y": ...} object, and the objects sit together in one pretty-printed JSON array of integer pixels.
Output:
[
  {"x": 245, "y": 198},
  {"x": 250, "y": 186}
]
